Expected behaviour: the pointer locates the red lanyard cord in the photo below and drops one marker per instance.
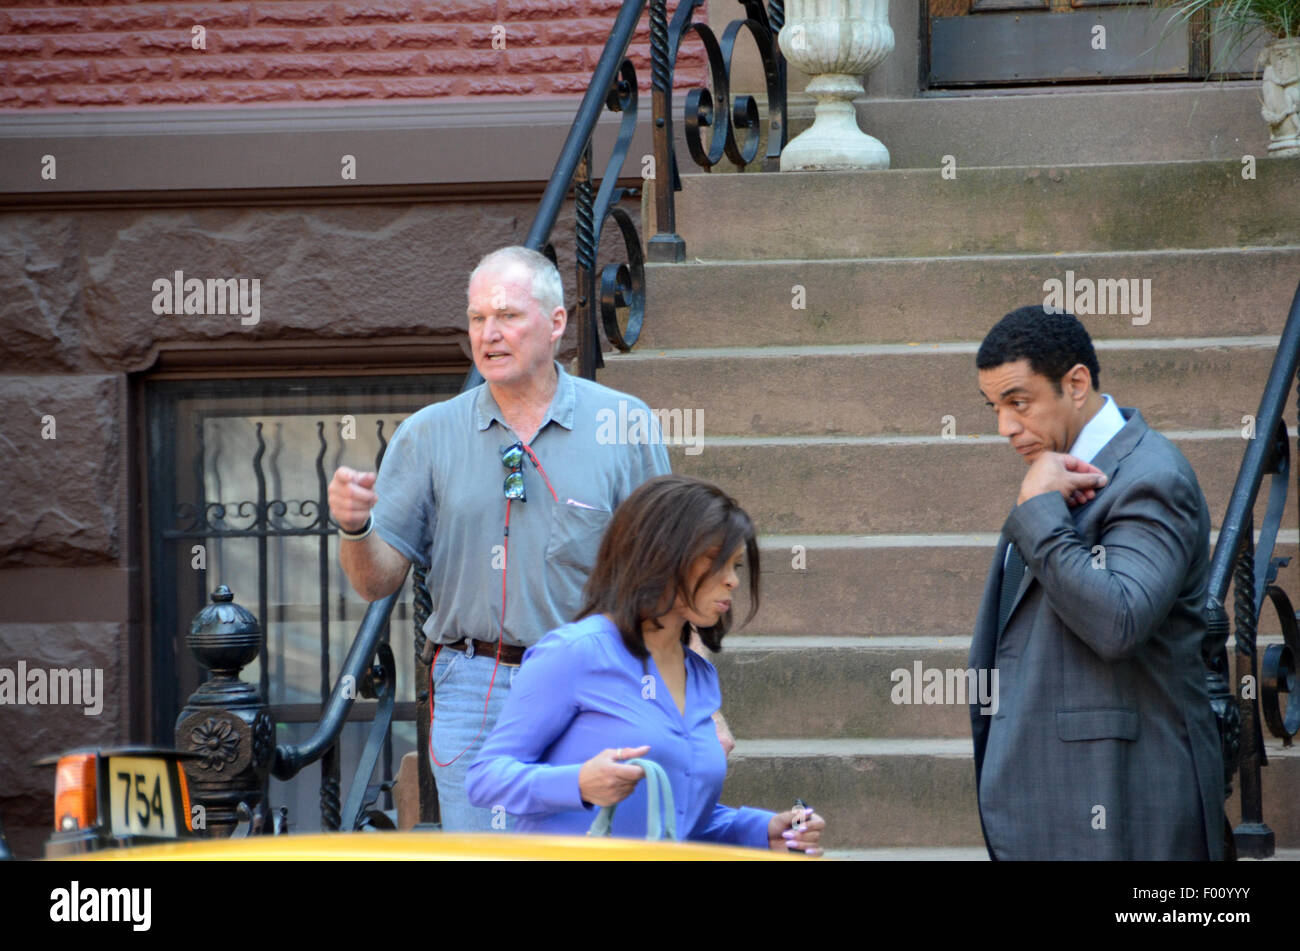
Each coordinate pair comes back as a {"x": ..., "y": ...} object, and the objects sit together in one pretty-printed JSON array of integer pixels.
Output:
[
  {"x": 505, "y": 554},
  {"x": 538, "y": 463}
]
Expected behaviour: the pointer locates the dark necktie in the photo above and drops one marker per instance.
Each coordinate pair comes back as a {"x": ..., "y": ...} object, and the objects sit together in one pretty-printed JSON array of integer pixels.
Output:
[{"x": 1012, "y": 574}]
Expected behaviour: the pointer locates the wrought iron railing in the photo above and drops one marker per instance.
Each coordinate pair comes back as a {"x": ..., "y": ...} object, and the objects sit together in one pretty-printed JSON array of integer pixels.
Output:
[
  {"x": 376, "y": 682},
  {"x": 735, "y": 134},
  {"x": 357, "y": 677},
  {"x": 1252, "y": 570},
  {"x": 228, "y": 724}
]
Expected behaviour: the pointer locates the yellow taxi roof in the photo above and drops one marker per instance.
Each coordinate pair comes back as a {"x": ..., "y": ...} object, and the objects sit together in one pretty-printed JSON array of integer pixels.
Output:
[{"x": 424, "y": 846}]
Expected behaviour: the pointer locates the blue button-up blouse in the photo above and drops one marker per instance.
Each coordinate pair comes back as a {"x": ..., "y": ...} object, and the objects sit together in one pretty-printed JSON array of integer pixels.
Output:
[{"x": 580, "y": 691}]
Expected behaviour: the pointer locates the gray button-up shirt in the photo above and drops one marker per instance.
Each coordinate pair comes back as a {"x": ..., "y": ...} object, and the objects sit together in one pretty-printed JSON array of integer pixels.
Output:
[{"x": 442, "y": 503}]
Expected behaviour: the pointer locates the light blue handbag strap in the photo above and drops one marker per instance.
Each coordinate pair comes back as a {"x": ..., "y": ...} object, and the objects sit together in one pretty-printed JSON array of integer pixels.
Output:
[{"x": 658, "y": 787}]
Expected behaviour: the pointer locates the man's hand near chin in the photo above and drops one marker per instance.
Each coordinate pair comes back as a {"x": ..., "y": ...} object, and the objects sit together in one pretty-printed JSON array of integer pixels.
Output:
[{"x": 1076, "y": 480}]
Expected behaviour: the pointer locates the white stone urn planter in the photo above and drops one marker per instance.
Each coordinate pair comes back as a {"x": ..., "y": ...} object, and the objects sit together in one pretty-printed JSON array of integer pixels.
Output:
[
  {"x": 836, "y": 42},
  {"x": 1281, "y": 96}
]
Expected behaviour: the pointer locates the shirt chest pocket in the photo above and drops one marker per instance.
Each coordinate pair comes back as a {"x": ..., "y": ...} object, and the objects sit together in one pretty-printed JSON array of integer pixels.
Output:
[{"x": 575, "y": 536}]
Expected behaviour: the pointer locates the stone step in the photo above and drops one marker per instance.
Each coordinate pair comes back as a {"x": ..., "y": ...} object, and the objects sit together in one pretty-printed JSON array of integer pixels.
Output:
[
  {"x": 897, "y": 485},
  {"x": 1205, "y": 383},
  {"x": 1085, "y": 123},
  {"x": 869, "y": 585},
  {"x": 1070, "y": 209},
  {"x": 873, "y": 793},
  {"x": 825, "y": 586},
  {"x": 919, "y": 793},
  {"x": 1178, "y": 122},
  {"x": 1280, "y": 855},
  {"x": 1194, "y": 293},
  {"x": 861, "y": 686},
  {"x": 765, "y": 684}
]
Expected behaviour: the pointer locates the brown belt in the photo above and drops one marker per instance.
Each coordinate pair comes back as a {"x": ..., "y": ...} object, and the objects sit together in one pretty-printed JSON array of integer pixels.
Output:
[{"x": 511, "y": 655}]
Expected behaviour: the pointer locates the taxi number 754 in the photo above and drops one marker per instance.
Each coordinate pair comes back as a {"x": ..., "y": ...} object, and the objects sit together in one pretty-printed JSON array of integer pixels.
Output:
[{"x": 141, "y": 797}]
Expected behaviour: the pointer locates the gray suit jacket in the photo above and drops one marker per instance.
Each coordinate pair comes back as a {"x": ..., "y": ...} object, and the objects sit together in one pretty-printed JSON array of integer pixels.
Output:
[{"x": 1103, "y": 745}]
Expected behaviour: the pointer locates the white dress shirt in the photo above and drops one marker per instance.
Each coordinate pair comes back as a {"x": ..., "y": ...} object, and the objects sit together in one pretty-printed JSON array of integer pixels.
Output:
[{"x": 1098, "y": 431}]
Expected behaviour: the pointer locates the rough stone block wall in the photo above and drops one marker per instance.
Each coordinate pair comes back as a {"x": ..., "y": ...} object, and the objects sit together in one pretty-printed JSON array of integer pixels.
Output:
[
  {"x": 63, "y": 504},
  {"x": 62, "y": 498},
  {"x": 76, "y": 294},
  {"x": 27, "y": 731},
  {"x": 76, "y": 319},
  {"x": 62, "y": 55}
]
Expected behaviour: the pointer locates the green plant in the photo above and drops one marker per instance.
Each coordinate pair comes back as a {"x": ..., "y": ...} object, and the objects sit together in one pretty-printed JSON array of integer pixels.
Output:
[
  {"x": 1238, "y": 21},
  {"x": 1232, "y": 26}
]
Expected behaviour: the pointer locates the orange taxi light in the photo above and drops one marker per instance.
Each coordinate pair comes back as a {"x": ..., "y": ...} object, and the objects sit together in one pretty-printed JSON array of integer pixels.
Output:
[
  {"x": 74, "y": 793},
  {"x": 185, "y": 797}
]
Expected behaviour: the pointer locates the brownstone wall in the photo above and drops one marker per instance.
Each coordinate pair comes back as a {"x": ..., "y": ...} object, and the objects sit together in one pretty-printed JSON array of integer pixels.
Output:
[
  {"x": 76, "y": 325},
  {"x": 85, "y": 54}
]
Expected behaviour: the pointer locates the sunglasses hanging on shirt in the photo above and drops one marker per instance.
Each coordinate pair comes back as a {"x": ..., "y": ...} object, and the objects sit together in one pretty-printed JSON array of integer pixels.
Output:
[{"x": 512, "y": 457}]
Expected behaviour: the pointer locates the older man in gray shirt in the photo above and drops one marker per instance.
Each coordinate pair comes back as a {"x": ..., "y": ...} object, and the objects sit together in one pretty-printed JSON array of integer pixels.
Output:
[{"x": 505, "y": 492}]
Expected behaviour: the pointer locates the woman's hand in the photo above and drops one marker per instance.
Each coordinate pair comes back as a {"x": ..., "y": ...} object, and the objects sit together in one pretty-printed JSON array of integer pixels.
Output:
[
  {"x": 605, "y": 780},
  {"x": 785, "y": 839}
]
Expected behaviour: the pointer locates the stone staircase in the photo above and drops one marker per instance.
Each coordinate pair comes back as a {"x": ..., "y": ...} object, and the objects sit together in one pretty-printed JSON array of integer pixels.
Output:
[{"x": 853, "y": 432}]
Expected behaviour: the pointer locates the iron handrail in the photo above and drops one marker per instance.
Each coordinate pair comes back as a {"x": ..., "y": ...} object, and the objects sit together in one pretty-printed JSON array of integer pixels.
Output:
[
  {"x": 736, "y": 132},
  {"x": 1252, "y": 569},
  {"x": 584, "y": 123},
  {"x": 576, "y": 149},
  {"x": 1259, "y": 453},
  {"x": 290, "y": 759}
]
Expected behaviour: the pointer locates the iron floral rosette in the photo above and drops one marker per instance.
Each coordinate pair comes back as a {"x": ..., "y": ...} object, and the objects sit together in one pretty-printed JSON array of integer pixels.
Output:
[{"x": 837, "y": 49}]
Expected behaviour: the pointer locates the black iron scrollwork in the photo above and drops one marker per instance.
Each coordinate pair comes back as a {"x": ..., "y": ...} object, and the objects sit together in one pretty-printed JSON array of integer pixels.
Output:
[
  {"x": 330, "y": 818},
  {"x": 734, "y": 121},
  {"x": 737, "y": 131},
  {"x": 1252, "y": 569},
  {"x": 1223, "y": 699},
  {"x": 221, "y": 519},
  {"x": 263, "y": 740},
  {"x": 622, "y": 285},
  {"x": 1277, "y": 669}
]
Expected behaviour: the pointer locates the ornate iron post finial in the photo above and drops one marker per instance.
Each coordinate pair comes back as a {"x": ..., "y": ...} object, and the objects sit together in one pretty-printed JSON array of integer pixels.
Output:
[{"x": 226, "y": 720}]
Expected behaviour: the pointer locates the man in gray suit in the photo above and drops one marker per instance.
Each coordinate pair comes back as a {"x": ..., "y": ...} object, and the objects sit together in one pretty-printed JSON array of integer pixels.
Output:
[{"x": 1103, "y": 744}]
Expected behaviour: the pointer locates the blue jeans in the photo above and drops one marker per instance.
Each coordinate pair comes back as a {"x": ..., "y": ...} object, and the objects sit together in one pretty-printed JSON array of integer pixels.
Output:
[{"x": 460, "y": 686}]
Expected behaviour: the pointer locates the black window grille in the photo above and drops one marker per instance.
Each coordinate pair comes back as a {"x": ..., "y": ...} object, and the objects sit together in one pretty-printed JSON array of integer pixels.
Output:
[{"x": 237, "y": 476}]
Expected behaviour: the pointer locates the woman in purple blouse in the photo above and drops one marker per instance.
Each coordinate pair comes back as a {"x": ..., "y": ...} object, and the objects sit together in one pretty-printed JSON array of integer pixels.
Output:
[{"x": 621, "y": 683}]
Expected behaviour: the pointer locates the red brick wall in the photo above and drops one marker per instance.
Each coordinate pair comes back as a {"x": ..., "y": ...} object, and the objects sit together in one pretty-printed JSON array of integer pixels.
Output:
[{"x": 77, "y": 54}]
